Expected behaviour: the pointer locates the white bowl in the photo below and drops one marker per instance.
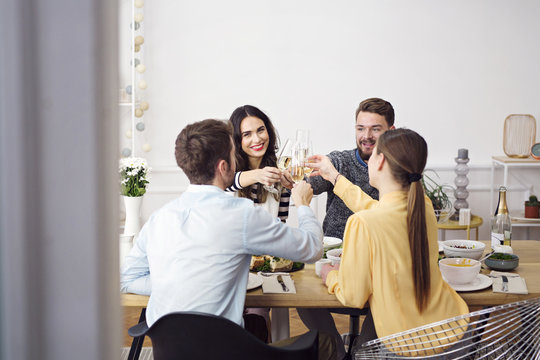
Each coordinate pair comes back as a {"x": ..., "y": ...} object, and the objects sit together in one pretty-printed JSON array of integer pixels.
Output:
[
  {"x": 463, "y": 248},
  {"x": 331, "y": 242},
  {"x": 458, "y": 270},
  {"x": 334, "y": 255}
]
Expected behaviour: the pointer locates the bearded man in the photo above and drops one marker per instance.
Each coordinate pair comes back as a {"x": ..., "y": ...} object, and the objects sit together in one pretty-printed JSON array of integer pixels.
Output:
[{"x": 373, "y": 117}]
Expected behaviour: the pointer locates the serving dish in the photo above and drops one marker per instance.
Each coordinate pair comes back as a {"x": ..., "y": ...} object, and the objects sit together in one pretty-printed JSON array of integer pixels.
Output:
[
  {"x": 334, "y": 255},
  {"x": 502, "y": 261},
  {"x": 331, "y": 242},
  {"x": 463, "y": 248}
]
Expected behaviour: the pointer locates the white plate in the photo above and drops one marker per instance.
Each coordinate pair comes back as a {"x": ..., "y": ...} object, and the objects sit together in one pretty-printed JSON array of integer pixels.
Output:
[
  {"x": 331, "y": 242},
  {"x": 254, "y": 281},
  {"x": 481, "y": 282}
]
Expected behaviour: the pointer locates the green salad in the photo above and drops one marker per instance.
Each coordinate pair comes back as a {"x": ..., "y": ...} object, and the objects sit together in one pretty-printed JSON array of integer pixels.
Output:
[{"x": 501, "y": 256}]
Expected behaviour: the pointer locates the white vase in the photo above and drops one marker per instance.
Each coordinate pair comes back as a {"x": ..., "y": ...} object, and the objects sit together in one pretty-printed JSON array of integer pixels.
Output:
[
  {"x": 126, "y": 243},
  {"x": 133, "y": 214}
]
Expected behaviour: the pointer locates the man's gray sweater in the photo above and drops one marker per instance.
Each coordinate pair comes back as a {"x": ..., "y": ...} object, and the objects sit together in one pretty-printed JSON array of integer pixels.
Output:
[{"x": 337, "y": 212}]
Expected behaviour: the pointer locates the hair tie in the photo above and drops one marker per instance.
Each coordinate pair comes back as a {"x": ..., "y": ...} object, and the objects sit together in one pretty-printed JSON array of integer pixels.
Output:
[{"x": 414, "y": 177}]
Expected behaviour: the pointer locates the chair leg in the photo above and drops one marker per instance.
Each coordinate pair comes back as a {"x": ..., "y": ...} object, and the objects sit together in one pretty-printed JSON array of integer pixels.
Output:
[
  {"x": 354, "y": 328},
  {"x": 137, "y": 343}
]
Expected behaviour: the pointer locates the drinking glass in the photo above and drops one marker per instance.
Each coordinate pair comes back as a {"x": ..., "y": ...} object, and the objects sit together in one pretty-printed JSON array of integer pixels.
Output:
[
  {"x": 283, "y": 162},
  {"x": 307, "y": 153},
  {"x": 297, "y": 163},
  {"x": 302, "y": 138},
  {"x": 285, "y": 156}
]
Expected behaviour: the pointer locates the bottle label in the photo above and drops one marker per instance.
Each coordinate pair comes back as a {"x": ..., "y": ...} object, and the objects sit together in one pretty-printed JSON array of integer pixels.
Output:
[{"x": 496, "y": 240}]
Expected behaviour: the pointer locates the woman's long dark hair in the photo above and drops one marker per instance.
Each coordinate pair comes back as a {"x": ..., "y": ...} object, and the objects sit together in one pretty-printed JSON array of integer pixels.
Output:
[
  {"x": 242, "y": 161},
  {"x": 406, "y": 154}
]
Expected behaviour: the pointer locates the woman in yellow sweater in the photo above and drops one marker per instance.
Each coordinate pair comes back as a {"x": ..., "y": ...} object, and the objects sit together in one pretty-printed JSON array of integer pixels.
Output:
[{"x": 390, "y": 248}]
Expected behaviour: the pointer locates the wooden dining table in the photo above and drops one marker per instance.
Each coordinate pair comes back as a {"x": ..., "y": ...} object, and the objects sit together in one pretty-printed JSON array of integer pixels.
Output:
[{"x": 311, "y": 293}]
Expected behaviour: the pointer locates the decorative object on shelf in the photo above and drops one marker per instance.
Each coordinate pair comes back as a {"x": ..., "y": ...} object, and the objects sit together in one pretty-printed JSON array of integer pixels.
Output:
[
  {"x": 461, "y": 182},
  {"x": 437, "y": 194},
  {"x": 133, "y": 180},
  {"x": 535, "y": 151},
  {"x": 519, "y": 135},
  {"x": 532, "y": 208}
]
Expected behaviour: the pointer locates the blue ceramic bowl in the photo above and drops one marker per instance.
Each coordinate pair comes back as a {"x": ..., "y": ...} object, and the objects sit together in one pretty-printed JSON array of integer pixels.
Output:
[{"x": 502, "y": 264}]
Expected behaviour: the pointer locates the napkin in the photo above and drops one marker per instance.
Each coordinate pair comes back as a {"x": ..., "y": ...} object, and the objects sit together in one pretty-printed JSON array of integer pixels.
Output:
[
  {"x": 516, "y": 284},
  {"x": 272, "y": 286}
]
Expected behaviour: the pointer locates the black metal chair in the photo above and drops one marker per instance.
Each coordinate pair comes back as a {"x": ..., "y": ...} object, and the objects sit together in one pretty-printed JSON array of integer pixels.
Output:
[
  {"x": 354, "y": 326},
  {"x": 193, "y": 335}
]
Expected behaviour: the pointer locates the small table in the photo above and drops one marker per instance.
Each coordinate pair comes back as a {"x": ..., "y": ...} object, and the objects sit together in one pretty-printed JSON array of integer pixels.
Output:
[{"x": 476, "y": 221}]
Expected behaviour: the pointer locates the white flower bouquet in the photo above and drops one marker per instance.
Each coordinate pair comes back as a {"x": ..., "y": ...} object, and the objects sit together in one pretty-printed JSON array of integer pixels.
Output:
[{"x": 134, "y": 176}]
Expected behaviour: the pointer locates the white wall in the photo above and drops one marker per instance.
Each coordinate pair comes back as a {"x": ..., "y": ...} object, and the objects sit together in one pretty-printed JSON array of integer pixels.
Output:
[{"x": 452, "y": 69}]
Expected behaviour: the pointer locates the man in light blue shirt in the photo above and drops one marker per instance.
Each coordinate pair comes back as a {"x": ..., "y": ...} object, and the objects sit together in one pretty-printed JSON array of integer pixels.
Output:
[{"x": 194, "y": 253}]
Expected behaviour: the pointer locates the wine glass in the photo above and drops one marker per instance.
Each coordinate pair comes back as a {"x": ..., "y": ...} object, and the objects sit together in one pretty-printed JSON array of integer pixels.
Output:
[
  {"x": 302, "y": 138},
  {"x": 285, "y": 156},
  {"x": 308, "y": 152},
  {"x": 297, "y": 163},
  {"x": 283, "y": 163}
]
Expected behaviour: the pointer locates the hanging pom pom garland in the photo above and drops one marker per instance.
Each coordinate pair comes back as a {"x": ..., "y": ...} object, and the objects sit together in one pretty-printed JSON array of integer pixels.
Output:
[{"x": 135, "y": 133}]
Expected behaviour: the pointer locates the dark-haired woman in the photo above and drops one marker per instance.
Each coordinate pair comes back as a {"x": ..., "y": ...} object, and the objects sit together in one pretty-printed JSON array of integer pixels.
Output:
[
  {"x": 255, "y": 142},
  {"x": 390, "y": 248}
]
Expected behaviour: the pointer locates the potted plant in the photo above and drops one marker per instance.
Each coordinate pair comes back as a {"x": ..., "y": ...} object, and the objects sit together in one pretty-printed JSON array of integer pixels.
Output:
[
  {"x": 532, "y": 207},
  {"x": 133, "y": 180},
  {"x": 437, "y": 194}
]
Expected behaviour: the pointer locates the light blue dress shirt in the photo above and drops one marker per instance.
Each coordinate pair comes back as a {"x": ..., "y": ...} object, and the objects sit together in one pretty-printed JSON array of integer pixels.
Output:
[{"x": 194, "y": 253}]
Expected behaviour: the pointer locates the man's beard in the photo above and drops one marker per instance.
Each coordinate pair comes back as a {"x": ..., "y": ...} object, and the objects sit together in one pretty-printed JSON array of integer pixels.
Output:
[{"x": 363, "y": 155}]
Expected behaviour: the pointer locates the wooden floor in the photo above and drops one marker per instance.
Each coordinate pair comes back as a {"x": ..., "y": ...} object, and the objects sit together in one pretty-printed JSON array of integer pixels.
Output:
[{"x": 131, "y": 317}]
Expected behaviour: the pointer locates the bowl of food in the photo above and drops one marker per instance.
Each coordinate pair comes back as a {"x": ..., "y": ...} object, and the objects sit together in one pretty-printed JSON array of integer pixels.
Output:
[
  {"x": 502, "y": 261},
  {"x": 334, "y": 255},
  {"x": 463, "y": 248},
  {"x": 459, "y": 270},
  {"x": 331, "y": 242}
]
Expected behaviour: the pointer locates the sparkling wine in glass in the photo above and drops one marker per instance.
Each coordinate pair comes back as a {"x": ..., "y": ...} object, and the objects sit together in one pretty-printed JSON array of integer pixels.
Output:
[
  {"x": 283, "y": 163},
  {"x": 285, "y": 156},
  {"x": 297, "y": 173},
  {"x": 297, "y": 163},
  {"x": 307, "y": 153}
]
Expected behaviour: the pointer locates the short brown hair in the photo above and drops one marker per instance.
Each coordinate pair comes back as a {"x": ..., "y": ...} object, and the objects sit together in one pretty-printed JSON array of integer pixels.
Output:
[
  {"x": 377, "y": 106},
  {"x": 200, "y": 146}
]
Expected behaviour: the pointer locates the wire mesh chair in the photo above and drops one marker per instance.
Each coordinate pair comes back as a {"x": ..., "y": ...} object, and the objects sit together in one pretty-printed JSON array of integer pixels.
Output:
[{"x": 510, "y": 331}]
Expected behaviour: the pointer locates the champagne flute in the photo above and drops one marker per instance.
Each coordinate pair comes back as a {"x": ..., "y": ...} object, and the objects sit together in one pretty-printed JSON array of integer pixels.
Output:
[
  {"x": 285, "y": 156},
  {"x": 283, "y": 162},
  {"x": 308, "y": 152},
  {"x": 297, "y": 163}
]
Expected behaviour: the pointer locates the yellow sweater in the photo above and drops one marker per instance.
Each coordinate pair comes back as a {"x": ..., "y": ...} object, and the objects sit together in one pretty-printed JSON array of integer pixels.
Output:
[{"x": 376, "y": 265}]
